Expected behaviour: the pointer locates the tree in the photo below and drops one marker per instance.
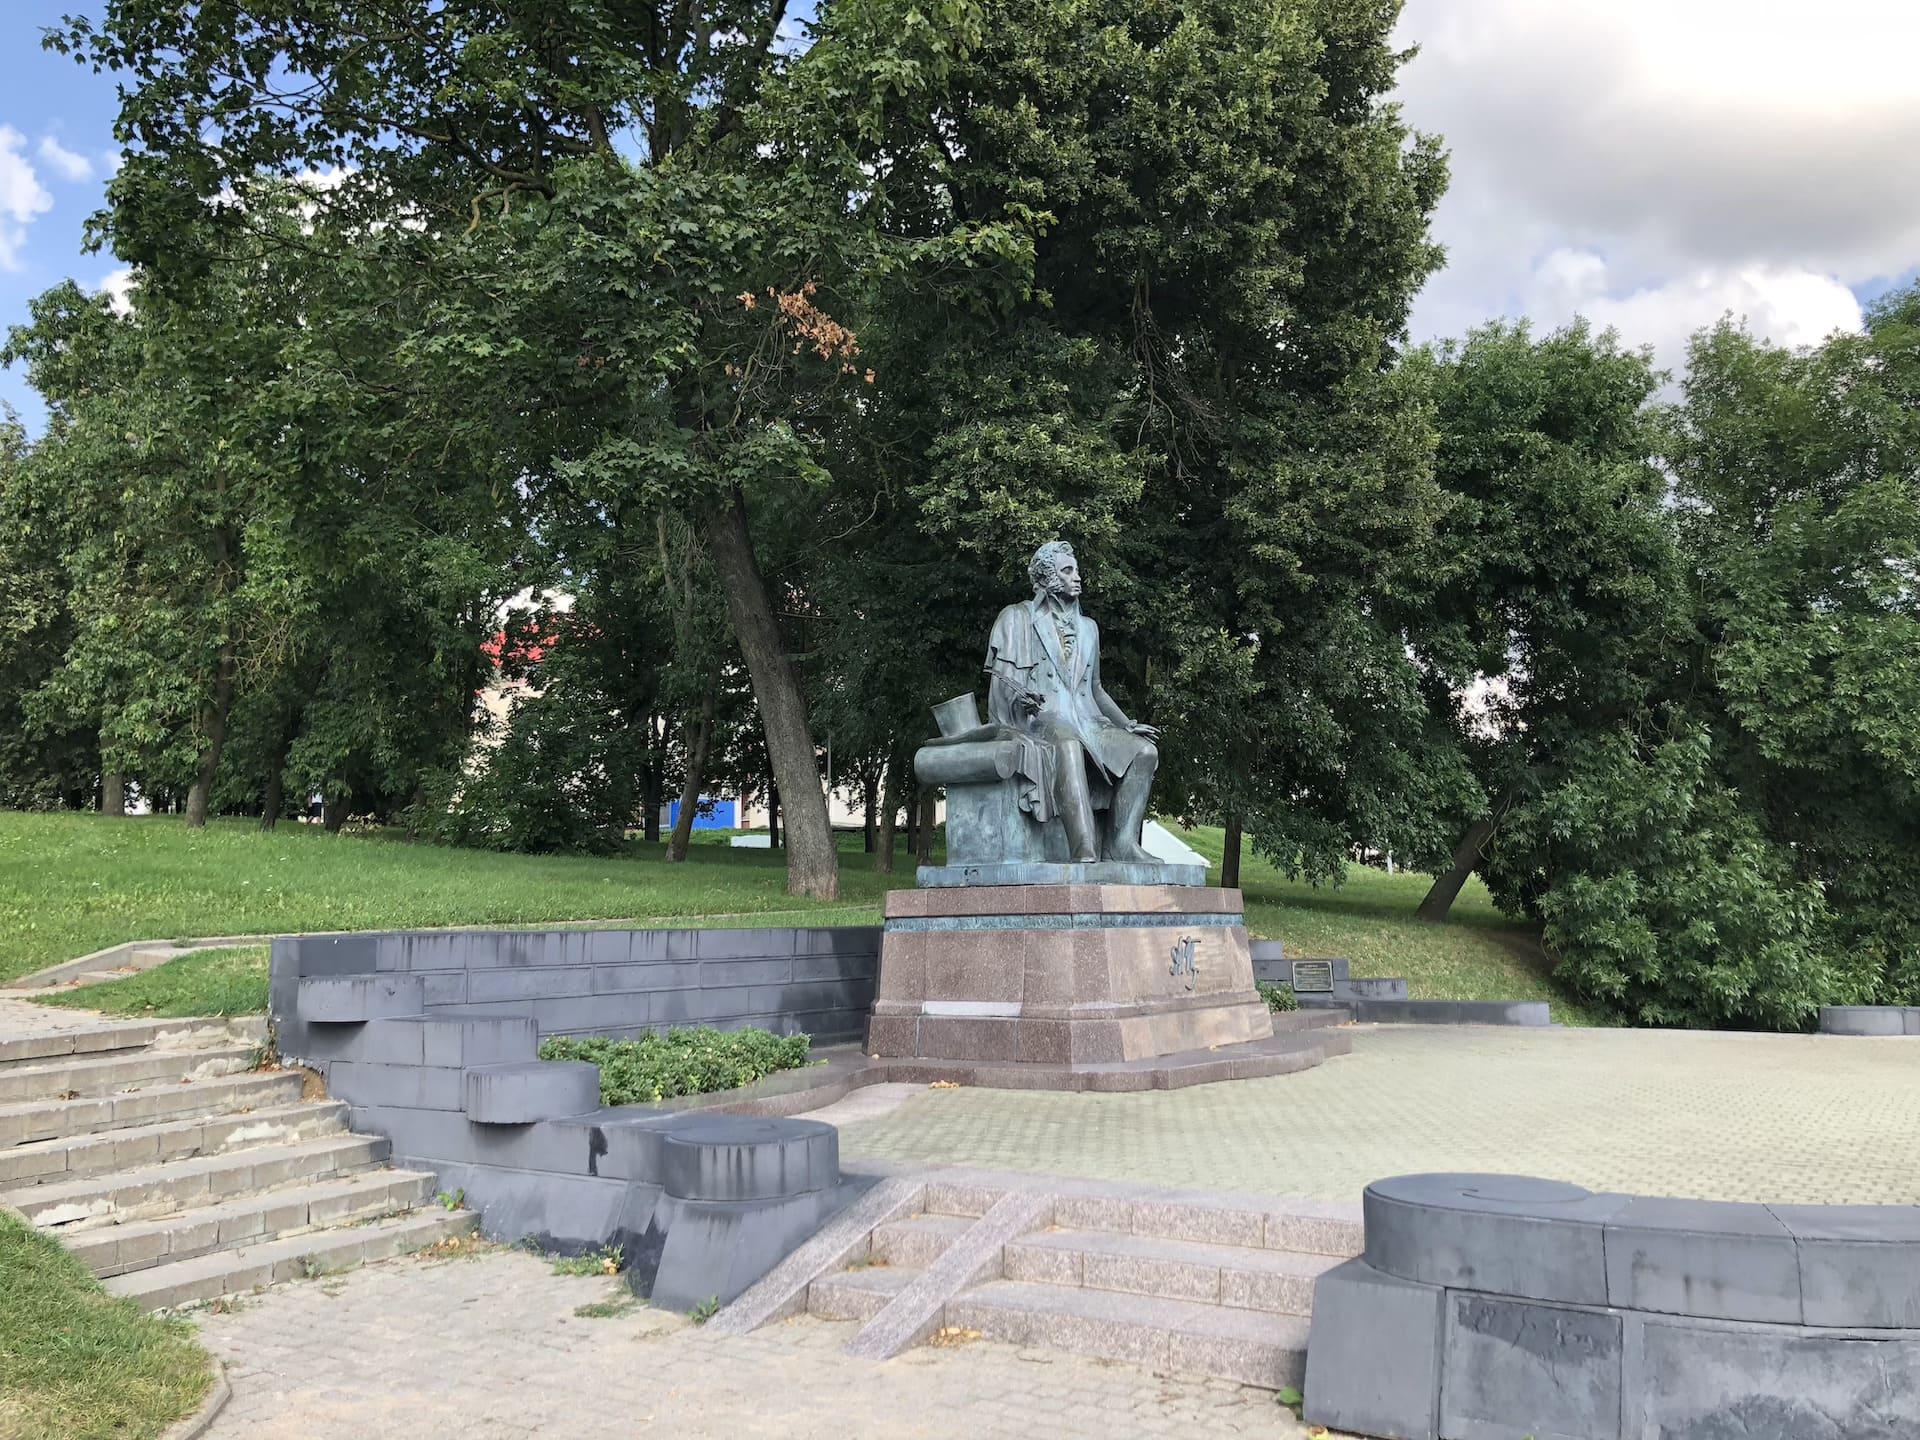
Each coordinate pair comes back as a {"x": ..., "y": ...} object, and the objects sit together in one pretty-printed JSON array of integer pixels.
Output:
[
  {"x": 1559, "y": 607},
  {"x": 491, "y": 136}
]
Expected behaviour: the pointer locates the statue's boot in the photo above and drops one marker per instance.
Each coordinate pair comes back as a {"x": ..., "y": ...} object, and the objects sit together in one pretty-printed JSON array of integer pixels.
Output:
[{"x": 1130, "y": 813}]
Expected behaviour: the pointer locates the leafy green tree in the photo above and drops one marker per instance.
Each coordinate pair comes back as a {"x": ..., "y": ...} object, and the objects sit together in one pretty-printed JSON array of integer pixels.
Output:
[
  {"x": 1559, "y": 606},
  {"x": 636, "y": 217}
]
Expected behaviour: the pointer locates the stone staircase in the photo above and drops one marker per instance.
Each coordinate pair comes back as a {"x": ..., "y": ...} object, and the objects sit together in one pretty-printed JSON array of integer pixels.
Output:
[
  {"x": 1175, "y": 1281},
  {"x": 160, "y": 1155}
]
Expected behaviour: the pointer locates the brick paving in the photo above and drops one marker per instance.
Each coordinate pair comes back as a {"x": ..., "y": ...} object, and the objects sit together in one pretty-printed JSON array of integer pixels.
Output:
[
  {"x": 1792, "y": 1118},
  {"x": 489, "y": 1348}
]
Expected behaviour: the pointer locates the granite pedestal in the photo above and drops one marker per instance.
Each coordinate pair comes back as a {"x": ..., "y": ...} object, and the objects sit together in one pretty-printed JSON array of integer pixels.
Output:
[{"x": 1051, "y": 984}]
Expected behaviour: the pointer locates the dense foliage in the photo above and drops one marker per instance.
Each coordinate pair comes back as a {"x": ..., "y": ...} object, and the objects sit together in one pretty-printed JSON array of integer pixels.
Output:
[
  {"x": 756, "y": 353},
  {"x": 680, "y": 1062}
]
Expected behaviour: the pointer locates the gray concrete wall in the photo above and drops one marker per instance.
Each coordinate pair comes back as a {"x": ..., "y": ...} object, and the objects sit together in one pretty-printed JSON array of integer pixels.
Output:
[
  {"x": 1386, "y": 1002},
  {"x": 700, "y": 1204},
  {"x": 610, "y": 982},
  {"x": 1499, "y": 1306}
]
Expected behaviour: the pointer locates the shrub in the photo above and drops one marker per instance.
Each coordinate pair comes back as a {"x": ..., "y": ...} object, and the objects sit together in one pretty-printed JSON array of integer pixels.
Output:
[
  {"x": 1278, "y": 997},
  {"x": 680, "y": 1062}
]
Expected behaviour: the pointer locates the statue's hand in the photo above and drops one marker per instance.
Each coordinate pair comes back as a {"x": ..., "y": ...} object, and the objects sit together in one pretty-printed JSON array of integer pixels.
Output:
[
  {"x": 1031, "y": 702},
  {"x": 1150, "y": 732}
]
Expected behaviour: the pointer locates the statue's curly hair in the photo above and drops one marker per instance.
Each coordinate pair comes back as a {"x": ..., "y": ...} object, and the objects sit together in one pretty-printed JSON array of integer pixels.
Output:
[{"x": 1046, "y": 560}]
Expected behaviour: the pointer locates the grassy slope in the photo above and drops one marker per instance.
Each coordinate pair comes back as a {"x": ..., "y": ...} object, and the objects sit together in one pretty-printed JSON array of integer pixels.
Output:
[
  {"x": 213, "y": 982},
  {"x": 77, "y": 1364},
  {"x": 1479, "y": 954},
  {"x": 70, "y": 884}
]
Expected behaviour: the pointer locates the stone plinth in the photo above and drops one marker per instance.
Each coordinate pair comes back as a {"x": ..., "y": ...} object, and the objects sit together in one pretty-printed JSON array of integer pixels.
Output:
[{"x": 1063, "y": 977}]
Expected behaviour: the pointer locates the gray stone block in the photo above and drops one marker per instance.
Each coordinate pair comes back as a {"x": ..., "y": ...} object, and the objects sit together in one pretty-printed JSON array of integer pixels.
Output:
[
  {"x": 1518, "y": 1370},
  {"x": 532, "y": 1090},
  {"x": 1859, "y": 1264},
  {"x": 1373, "y": 1355},
  {"x": 738, "y": 1157},
  {"x": 699, "y": 1251},
  {"x": 563, "y": 1214},
  {"x": 1869, "y": 1020},
  {"x": 530, "y": 982},
  {"x": 359, "y": 997},
  {"x": 655, "y": 975},
  {"x": 1702, "y": 1257},
  {"x": 1506, "y": 1234},
  {"x": 406, "y": 1087},
  {"x": 632, "y": 1138},
  {"x": 1708, "y": 1382},
  {"x": 1040, "y": 872}
]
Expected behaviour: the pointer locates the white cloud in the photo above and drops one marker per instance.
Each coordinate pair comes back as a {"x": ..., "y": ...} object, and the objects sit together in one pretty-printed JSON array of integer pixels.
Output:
[
  {"x": 22, "y": 196},
  {"x": 112, "y": 160},
  {"x": 1654, "y": 164},
  {"x": 118, "y": 286},
  {"x": 68, "y": 164}
]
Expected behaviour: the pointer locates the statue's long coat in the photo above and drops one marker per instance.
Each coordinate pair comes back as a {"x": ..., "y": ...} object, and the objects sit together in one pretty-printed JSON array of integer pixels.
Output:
[{"x": 1024, "y": 653}]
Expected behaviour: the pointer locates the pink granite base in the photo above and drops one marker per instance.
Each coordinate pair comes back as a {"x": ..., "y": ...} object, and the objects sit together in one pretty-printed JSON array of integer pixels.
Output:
[{"x": 1098, "y": 976}]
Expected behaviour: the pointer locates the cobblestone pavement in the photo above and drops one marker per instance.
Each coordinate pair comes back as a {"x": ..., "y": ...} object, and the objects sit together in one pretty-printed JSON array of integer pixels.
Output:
[
  {"x": 1791, "y": 1118},
  {"x": 489, "y": 1347}
]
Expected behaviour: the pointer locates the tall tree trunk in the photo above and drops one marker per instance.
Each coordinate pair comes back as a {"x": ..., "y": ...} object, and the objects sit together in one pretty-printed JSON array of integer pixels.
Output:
[
  {"x": 773, "y": 817},
  {"x": 812, "y": 868},
  {"x": 1466, "y": 857},
  {"x": 696, "y": 775},
  {"x": 889, "y": 817},
  {"x": 333, "y": 814},
  {"x": 275, "y": 800},
  {"x": 656, "y": 747},
  {"x": 870, "y": 799},
  {"x": 923, "y": 846},
  {"x": 113, "y": 793},
  {"x": 213, "y": 724},
  {"x": 1230, "y": 854}
]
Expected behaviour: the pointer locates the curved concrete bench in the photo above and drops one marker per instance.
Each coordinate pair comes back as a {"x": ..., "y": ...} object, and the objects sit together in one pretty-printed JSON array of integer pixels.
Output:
[
  {"x": 1503, "y": 1306},
  {"x": 1870, "y": 1019}
]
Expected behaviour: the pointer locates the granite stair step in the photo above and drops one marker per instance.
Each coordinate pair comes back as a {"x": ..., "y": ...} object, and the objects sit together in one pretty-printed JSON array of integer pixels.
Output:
[
  {"x": 182, "y": 1184},
  {"x": 72, "y": 1157},
  {"x": 248, "y": 1220},
  {"x": 918, "y": 1241},
  {"x": 858, "y": 1294},
  {"x": 1235, "y": 1276},
  {"x": 121, "y": 1037},
  {"x": 25, "y": 1122},
  {"x": 111, "y": 1074},
  {"x": 319, "y": 1252},
  {"x": 1248, "y": 1346}
]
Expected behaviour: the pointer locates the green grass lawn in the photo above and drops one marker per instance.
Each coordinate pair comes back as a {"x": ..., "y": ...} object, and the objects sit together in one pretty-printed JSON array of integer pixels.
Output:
[
  {"x": 71, "y": 884},
  {"x": 77, "y": 1364},
  {"x": 210, "y": 982}
]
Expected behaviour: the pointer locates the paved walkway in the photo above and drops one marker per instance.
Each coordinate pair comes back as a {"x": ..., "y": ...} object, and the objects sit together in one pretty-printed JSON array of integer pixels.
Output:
[
  {"x": 1794, "y": 1118},
  {"x": 491, "y": 1348}
]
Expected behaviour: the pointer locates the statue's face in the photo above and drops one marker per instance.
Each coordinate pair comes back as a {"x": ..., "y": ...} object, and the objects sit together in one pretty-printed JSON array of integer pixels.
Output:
[{"x": 1064, "y": 583}]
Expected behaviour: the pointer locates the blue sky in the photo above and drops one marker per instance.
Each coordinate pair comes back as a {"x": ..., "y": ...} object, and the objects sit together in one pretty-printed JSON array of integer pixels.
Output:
[{"x": 1652, "y": 164}]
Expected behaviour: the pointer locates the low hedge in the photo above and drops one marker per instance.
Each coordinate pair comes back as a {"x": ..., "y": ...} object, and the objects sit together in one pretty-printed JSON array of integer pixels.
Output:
[
  {"x": 680, "y": 1062},
  {"x": 1278, "y": 997}
]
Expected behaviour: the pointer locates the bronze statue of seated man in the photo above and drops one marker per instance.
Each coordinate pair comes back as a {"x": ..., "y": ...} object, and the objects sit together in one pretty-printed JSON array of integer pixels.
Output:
[{"x": 1052, "y": 724}]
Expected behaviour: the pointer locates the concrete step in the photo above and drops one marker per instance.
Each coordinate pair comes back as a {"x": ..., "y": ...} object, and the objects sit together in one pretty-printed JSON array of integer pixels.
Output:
[
  {"x": 1247, "y": 1346},
  {"x": 248, "y": 1220},
  {"x": 24, "y": 1123},
  {"x": 46, "y": 1162},
  {"x": 120, "y": 1036},
  {"x": 1276, "y": 1281},
  {"x": 320, "y": 1252},
  {"x": 917, "y": 1241},
  {"x": 858, "y": 1294},
  {"x": 111, "y": 1074},
  {"x": 182, "y": 1184}
]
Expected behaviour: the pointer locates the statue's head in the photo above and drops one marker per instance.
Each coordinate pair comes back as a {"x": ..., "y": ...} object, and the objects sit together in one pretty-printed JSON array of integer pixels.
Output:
[{"x": 1054, "y": 571}]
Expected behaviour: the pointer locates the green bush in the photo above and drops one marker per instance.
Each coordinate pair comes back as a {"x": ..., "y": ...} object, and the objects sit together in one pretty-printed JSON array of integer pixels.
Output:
[
  {"x": 1278, "y": 997},
  {"x": 680, "y": 1062}
]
